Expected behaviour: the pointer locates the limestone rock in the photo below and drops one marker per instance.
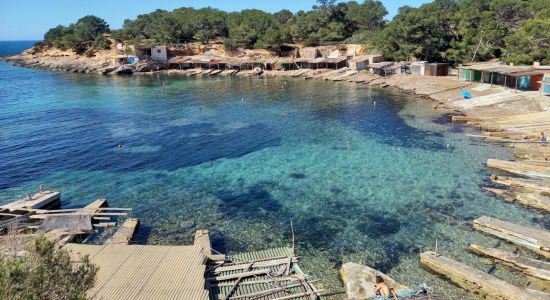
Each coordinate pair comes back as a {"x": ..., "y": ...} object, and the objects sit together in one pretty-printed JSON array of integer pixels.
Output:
[{"x": 359, "y": 281}]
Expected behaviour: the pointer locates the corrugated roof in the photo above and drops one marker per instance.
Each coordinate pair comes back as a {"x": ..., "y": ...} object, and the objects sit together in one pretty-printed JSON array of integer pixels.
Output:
[
  {"x": 380, "y": 65},
  {"x": 272, "y": 285},
  {"x": 145, "y": 271}
]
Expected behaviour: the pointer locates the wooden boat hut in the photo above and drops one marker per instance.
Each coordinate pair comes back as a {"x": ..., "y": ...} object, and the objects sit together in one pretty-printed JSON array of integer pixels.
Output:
[
  {"x": 380, "y": 68},
  {"x": 180, "y": 62},
  {"x": 329, "y": 63},
  {"x": 429, "y": 69},
  {"x": 545, "y": 82},
  {"x": 361, "y": 62},
  {"x": 525, "y": 78}
]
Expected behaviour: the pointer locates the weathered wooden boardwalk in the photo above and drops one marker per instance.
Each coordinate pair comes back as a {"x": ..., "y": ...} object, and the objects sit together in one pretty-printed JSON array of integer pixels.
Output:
[{"x": 145, "y": 271}]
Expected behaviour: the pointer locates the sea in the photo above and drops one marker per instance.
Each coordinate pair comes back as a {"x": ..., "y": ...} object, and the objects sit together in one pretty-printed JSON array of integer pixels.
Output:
[{"x": 365, "y": 175}]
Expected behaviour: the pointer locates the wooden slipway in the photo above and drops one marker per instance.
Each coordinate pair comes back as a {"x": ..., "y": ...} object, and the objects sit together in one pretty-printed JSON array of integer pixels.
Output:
[
  {"x": 532, "y": 267},
  {"x": 36, "y": 201},
  {"x": 533, "y": 239},
  {"x": 125, "y": 233},
  {"x": 477, "y": 281}
]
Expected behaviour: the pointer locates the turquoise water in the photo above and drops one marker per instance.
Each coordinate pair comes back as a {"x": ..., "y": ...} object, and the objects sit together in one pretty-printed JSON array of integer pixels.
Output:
[{"x": 243, "y": 157}]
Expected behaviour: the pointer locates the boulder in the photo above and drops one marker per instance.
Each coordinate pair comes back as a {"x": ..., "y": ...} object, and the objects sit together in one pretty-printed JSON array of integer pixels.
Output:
[{"x": 359, "y": 281}]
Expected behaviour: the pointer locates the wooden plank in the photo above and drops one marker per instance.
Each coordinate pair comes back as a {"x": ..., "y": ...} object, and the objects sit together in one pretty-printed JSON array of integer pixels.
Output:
[
  {"x": 237, "y": 282},
  {"x": 242, "y": 274},
  {"x": 105, "y": 224},
  {"x": 528, "y": 266},
  {"x": 289, "y": 262},
  {"x": 37, "y": 201},
  {"x": 202, "y": 238},
  {"x": 83, "y": 209},
  {"x": 99, "y": 203},
  {"x": 265, "y": 293},
  {"x": 476, "y": 281},
  {"x": 255, "y": 261},
  {"x": 533, "y": 239},
  {"x": 294, "y": 296},
  {"x": 295, "y": 277},
  {"x": 258, "y": 264},
  {"x": 43, "y": 216},
  {"x": 125, "y": 233}
]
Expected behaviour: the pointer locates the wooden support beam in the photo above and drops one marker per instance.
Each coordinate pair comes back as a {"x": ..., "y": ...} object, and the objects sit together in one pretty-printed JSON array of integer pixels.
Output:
[
  {"x": 105, "y": 224},
  {"x": 476, "y": 281},
  {"x": 536, "y": 240},
  {"x": 125, "y": 233},
  {"x": 236, "y": 276},
  {"x": 265, "y": 292},
  {"x": 294, "y": 296},
  {"x": 528, "y": 266},
  {"x": 43, "y": 216},
  {"x": 257, "y": 264},
  {"x": 83, "y": 209},
  {"x": 234, "y": 287}
]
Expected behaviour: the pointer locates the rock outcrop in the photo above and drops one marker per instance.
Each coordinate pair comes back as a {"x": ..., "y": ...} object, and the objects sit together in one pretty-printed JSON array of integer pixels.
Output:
[{"x": 359, "y": 281}]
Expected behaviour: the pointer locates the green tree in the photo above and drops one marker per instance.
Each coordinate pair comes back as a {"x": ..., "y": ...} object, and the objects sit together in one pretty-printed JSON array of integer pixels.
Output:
[
  {"x": 367, "y": 16},
  {"x": 44, "y": 273},
  {"x": 208, "y": 24},
  {"x": 530, "y": 43},
  {"x": 88, "y": 28}
]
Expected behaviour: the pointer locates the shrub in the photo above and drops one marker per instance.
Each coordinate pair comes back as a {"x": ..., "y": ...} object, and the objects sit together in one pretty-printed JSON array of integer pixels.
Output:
[{"x": 44, "y": 272}]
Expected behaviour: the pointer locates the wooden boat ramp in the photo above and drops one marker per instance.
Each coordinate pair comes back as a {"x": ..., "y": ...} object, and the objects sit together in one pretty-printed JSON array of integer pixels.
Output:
[
  {"x": 193, "y": 272},
  {"x": 34, "y": 215},
  {"x": 535, "y": 240},
  {"x": 16, "y": 214},
  {"x": 538, "y": 271},
  {"x": 477, "y": 281}
]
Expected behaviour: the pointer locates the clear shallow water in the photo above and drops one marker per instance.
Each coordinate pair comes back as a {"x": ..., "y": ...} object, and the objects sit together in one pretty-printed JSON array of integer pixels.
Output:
[{"x": 244, "y": 157}]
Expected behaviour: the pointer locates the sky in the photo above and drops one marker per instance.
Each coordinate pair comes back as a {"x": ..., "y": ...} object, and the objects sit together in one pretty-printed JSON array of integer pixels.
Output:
[{"x": 30, "y": 19}]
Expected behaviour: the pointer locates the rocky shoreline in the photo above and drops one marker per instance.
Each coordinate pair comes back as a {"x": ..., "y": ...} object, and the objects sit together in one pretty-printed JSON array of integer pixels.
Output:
[{"x": 440, "y": 89}]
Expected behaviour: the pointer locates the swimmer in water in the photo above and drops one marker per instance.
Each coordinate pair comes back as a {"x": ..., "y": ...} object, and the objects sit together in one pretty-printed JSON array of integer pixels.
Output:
[
  {"x": 348, "y": 143},
  {"x": 285, "y": 112},
  {"x": 120, "y": 146}
]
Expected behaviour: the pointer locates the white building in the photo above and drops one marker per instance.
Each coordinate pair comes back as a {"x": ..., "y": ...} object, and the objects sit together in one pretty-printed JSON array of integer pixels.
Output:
[{"x": 159, "y": 53}]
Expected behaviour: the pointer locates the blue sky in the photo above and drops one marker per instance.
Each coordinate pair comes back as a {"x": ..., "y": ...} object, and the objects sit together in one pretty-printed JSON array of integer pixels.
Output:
[{"x": 30, "y": 19}]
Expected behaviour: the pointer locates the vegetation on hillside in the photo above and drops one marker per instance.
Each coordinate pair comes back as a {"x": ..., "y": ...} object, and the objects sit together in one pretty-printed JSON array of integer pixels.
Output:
[
  {"x": 86, "y": 33},
  {"x": 44, "y": 273},
  {"x": 444, "y": 30}
]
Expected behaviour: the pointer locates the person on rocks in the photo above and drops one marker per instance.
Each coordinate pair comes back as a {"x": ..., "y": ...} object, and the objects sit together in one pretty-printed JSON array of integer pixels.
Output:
[{"x": 383, "y": 290}]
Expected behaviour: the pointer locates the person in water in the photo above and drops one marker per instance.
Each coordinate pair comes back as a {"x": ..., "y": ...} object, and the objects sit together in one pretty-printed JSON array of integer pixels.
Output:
[{"x": 382, "y": 289}]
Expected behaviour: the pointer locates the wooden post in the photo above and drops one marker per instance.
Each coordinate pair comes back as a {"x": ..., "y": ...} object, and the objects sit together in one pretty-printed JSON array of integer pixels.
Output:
[
  {"x": 505, "y": 79},
  {"x": 516, "y": 89},
  {"x": 492, "y": 73}
]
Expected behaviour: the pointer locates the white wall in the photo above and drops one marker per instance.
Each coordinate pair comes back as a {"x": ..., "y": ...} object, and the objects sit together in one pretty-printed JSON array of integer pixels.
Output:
[{"x": 159, "y": 53}]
